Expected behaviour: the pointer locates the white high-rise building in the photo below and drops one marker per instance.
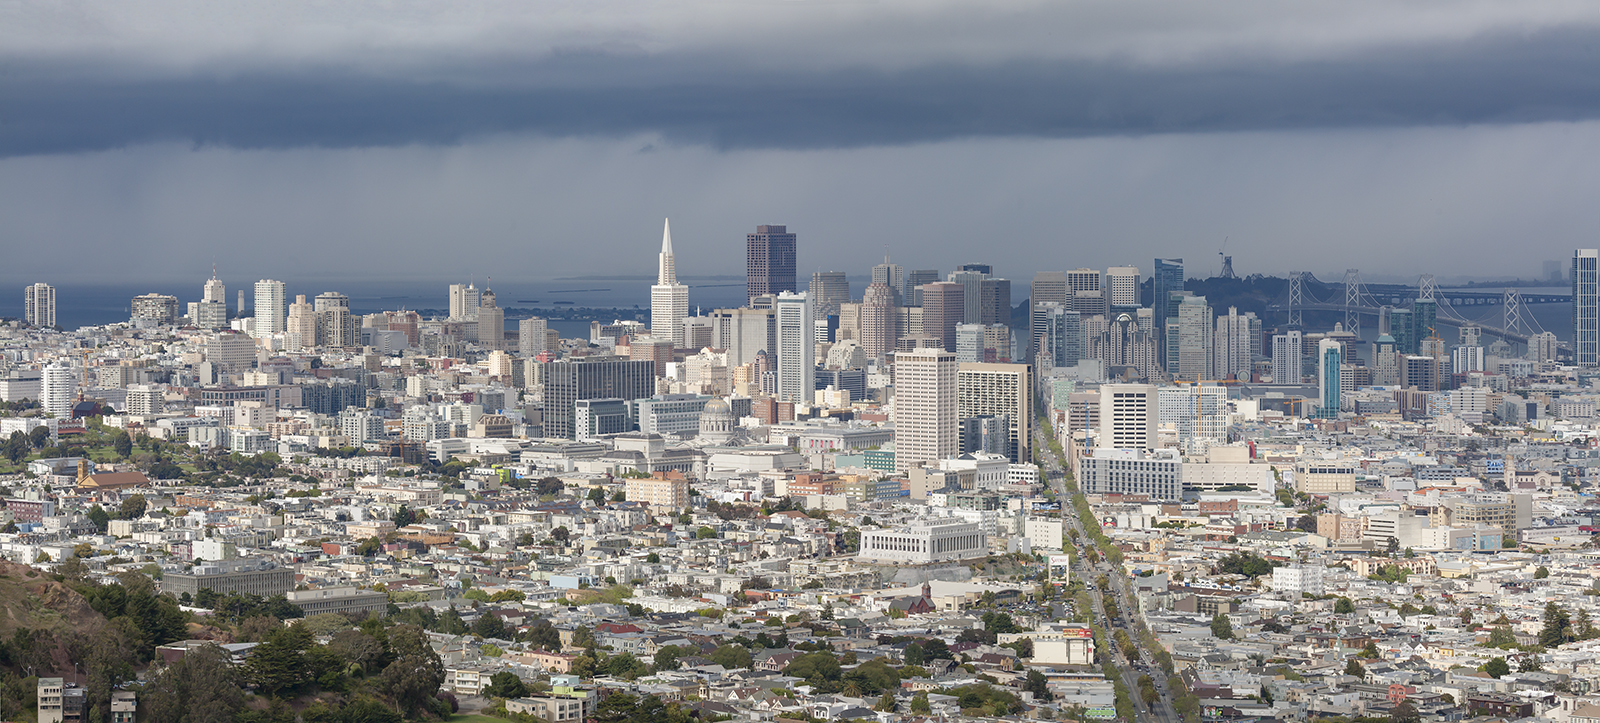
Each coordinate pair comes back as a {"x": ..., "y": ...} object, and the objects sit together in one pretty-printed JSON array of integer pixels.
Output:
[
  {"x": 300, "y": 327},
  {"x": 212, "y": 311},
  {"x": 999, "y": 389},
  {"x": 531, "y": 333},
  {"x": 57, "y": 384},
  {"x": 270, "y": 298},
  {"x": 1286, "y": 357},
  {"x": 1198, "y": 413},
  {"x": 464, "y": 302},
  {"x": 1128, "y": 416},
  {"x": 926, "y": 425},
  {"x": 1230, "y": 347},
  {"x": 335, "y": 325},
  {"x": 39, "y": 305},
  {"x": 669, "y": 300},
  {"x": 1122, "y": 286},
  {"x": 796, "y": 365}
]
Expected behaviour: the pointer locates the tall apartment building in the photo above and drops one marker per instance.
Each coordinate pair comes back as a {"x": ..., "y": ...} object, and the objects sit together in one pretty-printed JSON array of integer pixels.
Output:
[
  {"x": 464, "y": 302},
  {"x": 1128, "y": 416},
  {"x": 569, "y": 380},
  {"x": 39, "y": 305},
  {"x": 300, "y": 326},
  {"x": 744, "y": 333},
  {"x": 828, "y": 290},
  {"x": 56, "y": 387},
  {"x": 1586, "y": 307},
  {"x": 269, "y": 309},
  {"x": 669, "y": 300},
  {"x": 157, "y": 309},
  {"x": 1122, "y": 287},
  {"x": 1132, "y": 471},
  {"x": 335, "y": 325},
  {"x": 770, "y": 255},
  {"x": 1287, "y": 350},
  {"x": 1199, "y": 414},
  {"x": 1231, "y": 348},
  {"x": 532, "y": 336},
  {"x": 1060, "y": 334},
  {"x": 992, "y": 390},
  {"x": 212, "y": 311},
  {"x": 796, "y": 353},
  {"x": 926, "y": 421}
]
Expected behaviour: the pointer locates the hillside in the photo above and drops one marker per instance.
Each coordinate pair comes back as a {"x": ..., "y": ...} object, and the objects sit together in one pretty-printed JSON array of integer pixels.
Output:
[{"x": 30, "y": 599}]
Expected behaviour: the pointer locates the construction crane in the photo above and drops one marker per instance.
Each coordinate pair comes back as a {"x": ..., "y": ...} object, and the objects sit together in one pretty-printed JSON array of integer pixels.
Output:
[
  {"x": 85, "y": 353},
  {"x": 1227, "y": 261}
]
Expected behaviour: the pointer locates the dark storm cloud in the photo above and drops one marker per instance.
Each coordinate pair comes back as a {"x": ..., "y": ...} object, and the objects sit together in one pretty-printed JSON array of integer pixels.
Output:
[{"x": 700, "y": 98}]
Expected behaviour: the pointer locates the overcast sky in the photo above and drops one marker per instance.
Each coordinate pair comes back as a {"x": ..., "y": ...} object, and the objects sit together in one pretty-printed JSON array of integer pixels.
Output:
[{"x": 143, "y": 140}]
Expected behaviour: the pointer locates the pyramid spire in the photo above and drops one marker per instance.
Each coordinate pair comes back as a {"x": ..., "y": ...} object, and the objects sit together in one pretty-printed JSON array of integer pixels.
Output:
[{"x": 668, "y": 273}]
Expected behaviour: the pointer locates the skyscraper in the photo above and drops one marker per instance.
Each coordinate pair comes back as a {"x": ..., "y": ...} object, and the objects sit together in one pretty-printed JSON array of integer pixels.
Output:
[
  {"x": 1167, "y": 278},
  {"x": 464, "y": 302},
  {"x": 1128, "y": 416},
  {"x": 1231, "y": 356},
  {"x": 926, "y": 424},
  {"x": 796, "y": 364},
  {"x": 1586, "y": 307},
  {"x": 915, "y": 279},
  {"x": 39, "y": 305},
  {"x": 669, "y": 300},
  {"x": 999, "y": 390},
  {"x": 1198, "y": 413},
  {"x": 769, "y": 262},
  {"x": 994, "y": 303},
  {"x": 1330, "y": 359},
  {"x": 1060, "y": 334},
  {"x": 828, "y": 290},
  {"x": 1122, "y": 287},
  {"x": 971, "y": 293},
  {"x": 892, "y": 276},
  {"x": 878, "y": 321},
  {"x": 943, "y": 309},
  {"x": 335, "y": 325},
  {"x": 491, "y": 322},
  {"x": 1286, "y": 357},
  {"x": 1192, "y": 322},
  {"x": 269, "y": 308}
]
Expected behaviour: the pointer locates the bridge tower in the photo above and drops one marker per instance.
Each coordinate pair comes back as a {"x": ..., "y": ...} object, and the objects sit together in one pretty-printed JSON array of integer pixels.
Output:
[
  {"x": 1352, "y": 301},
  {"x": 1513, "y": 312},
  {"x": 1426, "y": 288},
  {"x": 1296, "y": 298}
]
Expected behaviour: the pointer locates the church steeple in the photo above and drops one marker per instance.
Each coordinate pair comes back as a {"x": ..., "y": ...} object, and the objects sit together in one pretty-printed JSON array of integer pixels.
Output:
[{"x": 668, "y": 272}]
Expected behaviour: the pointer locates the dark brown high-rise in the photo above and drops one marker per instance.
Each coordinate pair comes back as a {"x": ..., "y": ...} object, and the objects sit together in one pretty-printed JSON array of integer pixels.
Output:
[
  {"x": 943, "y": 304},
  {"x": 769, "y": 262}
]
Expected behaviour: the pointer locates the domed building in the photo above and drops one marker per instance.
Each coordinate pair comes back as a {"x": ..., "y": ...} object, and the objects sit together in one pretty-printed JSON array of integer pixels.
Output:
[{"x": 717, "y": 425}]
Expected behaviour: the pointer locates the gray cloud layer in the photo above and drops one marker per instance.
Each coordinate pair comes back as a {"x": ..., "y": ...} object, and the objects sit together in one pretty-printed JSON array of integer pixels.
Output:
[{"x": 697, "y": 98}]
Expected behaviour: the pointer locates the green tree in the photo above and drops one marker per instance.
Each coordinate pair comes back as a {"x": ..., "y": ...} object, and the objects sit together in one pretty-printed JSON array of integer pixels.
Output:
[
  {"x": 278, "y": 664},
  {"x": 561, "y": 534},
  {"x": 403, "y": 516},
  {"x": 1354, "y": 668},
  {"x": 1343, "y": 606},
  {"x": 416, "y": 673},
  {"x": 886, "y": 703},
  {"x": 203, "y": 687},
  {"x": 1370, "y": 652},
  {"x": 667, "y": 657},
  {"x": 1541, "y": 573},
  {"x": 1221, "y": 627},
  {"x": 1037, "y": 684},
  {"x": 121, "y": 443},
  {"x": 1557, "y": 626},
  {"x": 919, "y": 703},
  {"x": 913, "y": 654},
  {"x": 489, "y": 625},
  {"x": 1404, "y": 712},
  {"x": 731, "y": 656},
  {"x": 705, "y": 533},
  {"x": 100, "y": 518},
  {"x": 1497, "y": 668},
  {"x": 506, "y": 684}
]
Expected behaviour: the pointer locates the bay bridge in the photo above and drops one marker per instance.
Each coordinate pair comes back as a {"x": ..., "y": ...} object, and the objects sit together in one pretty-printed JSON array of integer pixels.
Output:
[{"x": 1499, "y": 314}]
